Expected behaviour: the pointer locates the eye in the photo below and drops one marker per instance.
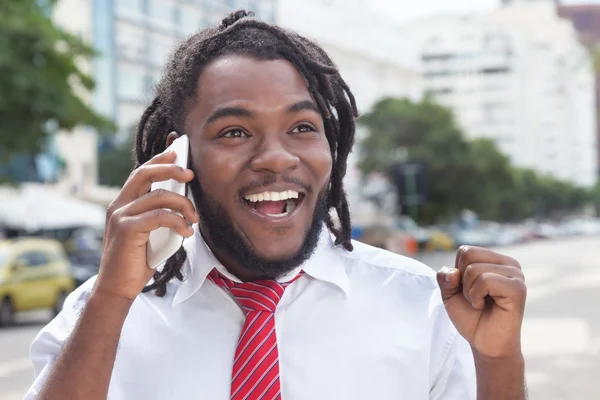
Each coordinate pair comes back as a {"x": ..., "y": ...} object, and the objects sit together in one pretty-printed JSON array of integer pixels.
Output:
[
  {"x": 303, "y": 128},
  {"x": 234, "y": 134}
]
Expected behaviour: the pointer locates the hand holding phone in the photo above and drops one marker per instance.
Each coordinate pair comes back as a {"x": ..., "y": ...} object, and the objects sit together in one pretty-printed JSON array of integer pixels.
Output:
[{"x": 138, "y": 213}]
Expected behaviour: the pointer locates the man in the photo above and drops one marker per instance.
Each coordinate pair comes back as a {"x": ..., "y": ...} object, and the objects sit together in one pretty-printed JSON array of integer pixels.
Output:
[{"x": 261, "y": 303}]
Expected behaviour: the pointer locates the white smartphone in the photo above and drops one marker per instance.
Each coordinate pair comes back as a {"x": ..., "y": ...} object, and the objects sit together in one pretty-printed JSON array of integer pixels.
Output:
[{"x": 164, "y": 242}]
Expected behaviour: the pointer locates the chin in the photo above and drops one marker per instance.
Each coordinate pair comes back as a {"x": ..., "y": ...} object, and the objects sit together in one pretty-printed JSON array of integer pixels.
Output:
[{"x": 278, "y": 250}]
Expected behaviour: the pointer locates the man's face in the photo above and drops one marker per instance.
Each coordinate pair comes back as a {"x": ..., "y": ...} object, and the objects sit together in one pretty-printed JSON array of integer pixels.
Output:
[{"x": 262, "y": 160}]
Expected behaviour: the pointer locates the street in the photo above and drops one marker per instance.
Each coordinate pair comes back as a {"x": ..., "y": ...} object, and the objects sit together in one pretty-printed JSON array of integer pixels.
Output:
[{"x": 561, "y": 334}]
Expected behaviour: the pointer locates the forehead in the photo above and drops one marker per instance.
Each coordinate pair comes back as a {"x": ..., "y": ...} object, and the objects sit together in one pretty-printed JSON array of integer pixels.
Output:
[{"x": 243, "y": 80}]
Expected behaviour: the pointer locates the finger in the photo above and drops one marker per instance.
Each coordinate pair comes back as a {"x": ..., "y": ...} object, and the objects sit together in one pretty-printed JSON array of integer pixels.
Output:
[
  {"x": 141, "y": 179},
  {"x": 508, "y": 293},
  {"x": 161, "y": 198},
  {"x": 449, "y": 282},
  {"x": 473, "y": 271},
  {"x": 166, "y": 157},
  {"x": 467, "y": 255},
  {"x": 152, "y": 220}
]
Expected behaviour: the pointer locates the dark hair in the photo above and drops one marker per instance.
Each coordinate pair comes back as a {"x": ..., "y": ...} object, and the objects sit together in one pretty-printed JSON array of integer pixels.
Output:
[{"x": 238, "y": 34}]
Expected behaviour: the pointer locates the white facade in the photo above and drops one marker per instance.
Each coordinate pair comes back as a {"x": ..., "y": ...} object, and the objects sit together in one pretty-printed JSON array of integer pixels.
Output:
[
  {"x": 77, "y": 148},
  {"x": 371, "y": 59},
  {"x": 519, "y": 76},
  {"x": 134, "y": 39}
]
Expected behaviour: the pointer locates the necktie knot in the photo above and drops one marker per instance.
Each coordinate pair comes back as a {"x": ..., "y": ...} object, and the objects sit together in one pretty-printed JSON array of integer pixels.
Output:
[{"x": 253, "y": 296}]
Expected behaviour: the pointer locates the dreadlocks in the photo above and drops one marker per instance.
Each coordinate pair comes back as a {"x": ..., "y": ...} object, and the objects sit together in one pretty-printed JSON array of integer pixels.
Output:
[{"x": 240, "y": 35}]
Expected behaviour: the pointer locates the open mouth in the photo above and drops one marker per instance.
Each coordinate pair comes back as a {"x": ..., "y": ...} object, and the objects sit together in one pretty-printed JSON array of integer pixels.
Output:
[{"x": 274, "y": 204}]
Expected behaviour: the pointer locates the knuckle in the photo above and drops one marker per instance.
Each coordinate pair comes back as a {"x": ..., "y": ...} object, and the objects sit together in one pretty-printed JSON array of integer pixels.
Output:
[
  {"x": 190, "y": 206},
  {"x": 111, "y": 209},
  {"x": 465, "y": 253},
  {"x": 469, "y": 270},
  {"x": 137, "y": 172},
  {"x": 162, "y": 214},
  {"x": 519, "y": 274},
  {"x": 520, "y": 284},
  {"x": 115, "y": 218},
  {"x": 486, "y": 277},
  {"x": 160, "y": 193},
  {"x": 515, "y": 263}
]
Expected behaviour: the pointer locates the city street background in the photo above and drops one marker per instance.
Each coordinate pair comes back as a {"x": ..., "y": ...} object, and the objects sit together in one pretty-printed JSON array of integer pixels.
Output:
[
  {"x": 479, "y": 124},
  {"x": 561, "y": 335}
]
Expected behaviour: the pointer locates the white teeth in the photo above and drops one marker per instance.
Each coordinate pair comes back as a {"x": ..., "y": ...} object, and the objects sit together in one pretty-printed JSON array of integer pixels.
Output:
[
  {"x": 278, "y": 215},
  {"x": 272, "y": 196}
]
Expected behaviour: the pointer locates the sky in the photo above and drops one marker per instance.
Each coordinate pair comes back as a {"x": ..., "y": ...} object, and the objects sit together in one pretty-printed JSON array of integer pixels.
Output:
[{"x": 409, "y": 9}]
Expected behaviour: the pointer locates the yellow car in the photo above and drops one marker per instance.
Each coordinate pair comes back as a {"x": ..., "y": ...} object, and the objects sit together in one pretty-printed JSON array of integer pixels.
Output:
[{"x": 34, "y": 274}]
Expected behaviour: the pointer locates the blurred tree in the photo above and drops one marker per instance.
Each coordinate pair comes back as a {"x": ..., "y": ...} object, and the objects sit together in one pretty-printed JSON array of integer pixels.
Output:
[
  {"x": 39, "y": 78},
  {"x": 116, "y": 163},
  {"x": 400, "y": 130},
  {"x": 461, "y": 174},
  {"x": 595, "y": 198}
]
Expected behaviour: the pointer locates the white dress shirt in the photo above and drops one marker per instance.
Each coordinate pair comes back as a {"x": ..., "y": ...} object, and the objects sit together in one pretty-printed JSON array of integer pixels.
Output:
[{"x": 366, "y": 325}]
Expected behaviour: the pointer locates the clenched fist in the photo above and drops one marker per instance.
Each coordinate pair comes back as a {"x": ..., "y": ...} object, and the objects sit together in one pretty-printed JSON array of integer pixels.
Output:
[{"x": 485, "y": 297}]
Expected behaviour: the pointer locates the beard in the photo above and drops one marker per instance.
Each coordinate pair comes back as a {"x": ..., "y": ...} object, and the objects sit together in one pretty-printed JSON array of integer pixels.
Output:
[{"x": 218, "y": 230}]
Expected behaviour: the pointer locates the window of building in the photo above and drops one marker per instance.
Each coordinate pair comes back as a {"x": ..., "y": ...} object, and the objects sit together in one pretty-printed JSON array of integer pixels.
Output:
[
  {"x": 161, "y": 47},
  {"x": 162, "y": 12},
  {"x": 131, "y": 41},
  {"x": 131, "y": 82},
  {"x": 191, "y": 20},
  {"x": 129, "y": 8},
  {"x": 128, "y": 115}
]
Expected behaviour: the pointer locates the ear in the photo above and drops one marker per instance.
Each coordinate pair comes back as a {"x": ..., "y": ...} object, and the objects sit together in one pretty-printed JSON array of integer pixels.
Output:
[{"x": 171, "y": 138}]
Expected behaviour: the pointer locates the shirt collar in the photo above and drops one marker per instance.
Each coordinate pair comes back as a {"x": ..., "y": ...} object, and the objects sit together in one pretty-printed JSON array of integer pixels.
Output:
[{"x": 326, "y": 264}]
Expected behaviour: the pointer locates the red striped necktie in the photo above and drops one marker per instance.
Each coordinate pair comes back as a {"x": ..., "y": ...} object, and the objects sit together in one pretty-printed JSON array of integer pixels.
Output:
[{"x": 255, "y": 372}]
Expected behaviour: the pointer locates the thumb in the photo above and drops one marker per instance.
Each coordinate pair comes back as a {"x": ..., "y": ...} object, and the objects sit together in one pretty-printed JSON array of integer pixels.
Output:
[{"x": 449, "y": 282}]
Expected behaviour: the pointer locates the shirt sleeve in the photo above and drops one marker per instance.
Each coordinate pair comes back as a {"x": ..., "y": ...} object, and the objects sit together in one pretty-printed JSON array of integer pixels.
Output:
[
  {"x": 49, "y": 342},
  {"x": 457, "y": 379},
  {"x": 452, "y": 364}
]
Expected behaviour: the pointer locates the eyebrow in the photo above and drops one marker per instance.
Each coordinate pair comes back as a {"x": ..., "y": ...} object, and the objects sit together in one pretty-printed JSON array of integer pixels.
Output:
[
  {"x": 304, "y": 105},
  {"x": 229, "y": 112},
  {"x": 244, "y": 113}
]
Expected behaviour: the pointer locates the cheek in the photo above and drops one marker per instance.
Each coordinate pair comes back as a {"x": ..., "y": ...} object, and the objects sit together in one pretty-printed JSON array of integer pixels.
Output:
[
  {"x": 217, "y": 170},
  {"x": 320, "y": 162}
]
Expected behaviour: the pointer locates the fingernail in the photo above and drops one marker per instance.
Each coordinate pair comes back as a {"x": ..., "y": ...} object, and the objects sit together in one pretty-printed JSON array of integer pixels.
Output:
[{"x": 447, "y": 276}]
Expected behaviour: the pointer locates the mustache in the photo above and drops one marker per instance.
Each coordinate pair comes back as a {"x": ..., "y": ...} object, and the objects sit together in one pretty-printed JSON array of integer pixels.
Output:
[{"x": 272, "y": 179}]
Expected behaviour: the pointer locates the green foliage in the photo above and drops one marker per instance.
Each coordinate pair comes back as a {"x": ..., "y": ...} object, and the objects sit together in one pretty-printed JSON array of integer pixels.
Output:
[
  {"x": 39, "y": 78},
  {"x": 595, "y": 198},
  {"x": 462, "y": 174},
  {"x": 114, "y": 166}
]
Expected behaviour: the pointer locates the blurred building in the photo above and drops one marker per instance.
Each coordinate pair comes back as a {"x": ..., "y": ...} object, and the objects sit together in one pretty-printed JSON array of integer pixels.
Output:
[
  {"x": 134, "y": 39},
  {"x": 371, "y": 59},
  {"x": 586, "y": 20},
  {"x": 517, "y": 75}
]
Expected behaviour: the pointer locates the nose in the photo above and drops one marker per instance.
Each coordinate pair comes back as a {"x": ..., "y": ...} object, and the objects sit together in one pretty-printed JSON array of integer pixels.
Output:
[{"x": 273, "y": 156}]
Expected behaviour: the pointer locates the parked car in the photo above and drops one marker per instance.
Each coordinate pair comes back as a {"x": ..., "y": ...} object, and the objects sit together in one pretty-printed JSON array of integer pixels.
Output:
[
  {"x": 84, "y": 265},
  {"x": 581, "y": 227},
  {"x": 389, "y": 239},
  {"x": 34, "y": 274},
  {"x": 428, "y": 239},
  {"x": 482, "y": 235}
]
